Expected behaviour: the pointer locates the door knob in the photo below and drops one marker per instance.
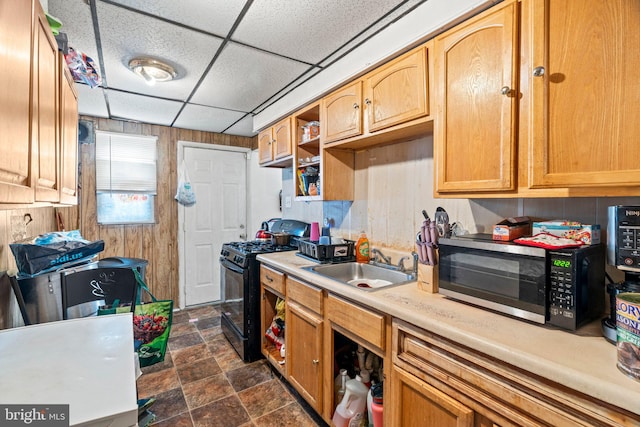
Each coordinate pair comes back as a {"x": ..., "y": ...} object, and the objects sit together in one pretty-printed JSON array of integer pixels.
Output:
[
  {"x": 355, "y": 105},
  {"x": 506, "y": 90}
]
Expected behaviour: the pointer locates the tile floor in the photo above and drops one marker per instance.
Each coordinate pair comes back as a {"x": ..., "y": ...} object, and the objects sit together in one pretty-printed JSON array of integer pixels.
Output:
[{"x": 204, "y": 383}]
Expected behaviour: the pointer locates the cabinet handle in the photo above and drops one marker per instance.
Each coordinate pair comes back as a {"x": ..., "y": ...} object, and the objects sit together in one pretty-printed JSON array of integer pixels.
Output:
[
  {"x": 315, "y": 361},
  {"x": 355, "y": 106},
  {"x": 266, "y": 276},
  {"x": 367, "y": 101},
  {"x": 538, "y": 72},
  {"x": 506, "y": 90}
]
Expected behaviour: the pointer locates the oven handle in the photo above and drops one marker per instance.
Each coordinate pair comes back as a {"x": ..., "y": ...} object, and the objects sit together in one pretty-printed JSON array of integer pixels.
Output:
[{"x": 231, "y": 266}]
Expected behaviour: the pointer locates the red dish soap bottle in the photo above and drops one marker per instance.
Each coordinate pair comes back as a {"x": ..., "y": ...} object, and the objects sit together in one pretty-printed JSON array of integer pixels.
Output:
[{"x": 362, "y": 248}]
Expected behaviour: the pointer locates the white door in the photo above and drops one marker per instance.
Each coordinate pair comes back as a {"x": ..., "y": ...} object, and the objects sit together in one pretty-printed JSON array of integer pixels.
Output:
[{"x": 219, "y": 181}]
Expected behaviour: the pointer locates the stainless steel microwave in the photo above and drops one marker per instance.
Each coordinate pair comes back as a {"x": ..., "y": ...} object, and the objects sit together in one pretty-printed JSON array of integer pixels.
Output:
[{"x": 561, "y": 287}]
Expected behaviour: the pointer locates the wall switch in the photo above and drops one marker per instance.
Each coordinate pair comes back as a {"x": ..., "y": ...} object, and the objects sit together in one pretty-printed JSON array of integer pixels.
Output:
[{"x": 287, "y": 201}]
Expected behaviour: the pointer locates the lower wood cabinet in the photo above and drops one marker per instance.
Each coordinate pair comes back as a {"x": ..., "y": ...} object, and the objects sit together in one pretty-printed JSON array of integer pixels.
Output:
[
  {"x": 303, "y": 340},
  {"x": 416, "y": 403},
  {"x": 436, "y": 382}
]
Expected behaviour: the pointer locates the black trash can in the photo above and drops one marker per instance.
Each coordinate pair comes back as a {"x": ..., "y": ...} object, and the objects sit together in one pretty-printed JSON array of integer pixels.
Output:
[{"x": 115, "y": 262}]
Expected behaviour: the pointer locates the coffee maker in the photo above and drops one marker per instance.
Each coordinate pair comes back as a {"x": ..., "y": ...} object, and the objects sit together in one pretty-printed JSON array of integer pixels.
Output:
[{"x": 623, "y": 253}]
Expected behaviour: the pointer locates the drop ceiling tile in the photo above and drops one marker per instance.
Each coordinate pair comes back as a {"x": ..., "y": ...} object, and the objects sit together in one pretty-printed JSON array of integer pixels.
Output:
[
  {"x": 243, "y": 127},
  {"x": 127, "y": 35},
  {"x": 142, "y": 108},
  {"x": 242, "y": 78},
  {"x": 308, "y": 31},
  {"x": 213, "y": 16},
  {"x": 77, "y": 24},
  {"x": 208, "y": 119},
  {"x": 91, "y": 102},
  {"x": 390, "y": 19}
]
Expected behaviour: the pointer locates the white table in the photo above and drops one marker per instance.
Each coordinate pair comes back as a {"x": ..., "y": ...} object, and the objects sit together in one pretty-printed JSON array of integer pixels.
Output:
[{"x": 87, "y": 363}]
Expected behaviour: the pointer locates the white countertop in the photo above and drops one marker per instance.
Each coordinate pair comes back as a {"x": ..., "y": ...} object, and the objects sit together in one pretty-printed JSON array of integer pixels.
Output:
[
  {"x": 87, "y": 363},
  {"x": 582, "y": 360}
]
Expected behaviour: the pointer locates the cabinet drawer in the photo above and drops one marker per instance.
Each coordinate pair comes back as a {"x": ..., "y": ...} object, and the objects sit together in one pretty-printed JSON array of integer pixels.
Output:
[
  {"x": 307, "y": 295},
  {"x": 363, "y": 323},
  {"x": 272, "y": 279}
]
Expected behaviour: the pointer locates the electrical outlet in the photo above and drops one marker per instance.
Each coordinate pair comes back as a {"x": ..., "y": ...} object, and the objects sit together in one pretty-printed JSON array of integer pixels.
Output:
[{"x": 287, "y": 201}]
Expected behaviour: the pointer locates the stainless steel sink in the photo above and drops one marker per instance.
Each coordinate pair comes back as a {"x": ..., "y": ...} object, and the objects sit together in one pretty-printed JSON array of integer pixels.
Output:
[{"x": 363, "y": 276}]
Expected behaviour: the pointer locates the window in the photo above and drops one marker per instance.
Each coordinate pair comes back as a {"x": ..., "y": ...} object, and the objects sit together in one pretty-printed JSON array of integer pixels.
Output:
[{"x": 125, "y": 178}]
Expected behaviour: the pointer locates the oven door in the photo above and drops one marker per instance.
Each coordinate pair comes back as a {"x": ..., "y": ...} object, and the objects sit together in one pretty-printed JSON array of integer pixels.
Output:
[
  {"x": 232, "y": 280},
  {"x": 511, "y": 283}
]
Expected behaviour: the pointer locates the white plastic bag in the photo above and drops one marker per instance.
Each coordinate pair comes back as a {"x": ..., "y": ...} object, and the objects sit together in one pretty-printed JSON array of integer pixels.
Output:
[{"x": 185, "y": 195}]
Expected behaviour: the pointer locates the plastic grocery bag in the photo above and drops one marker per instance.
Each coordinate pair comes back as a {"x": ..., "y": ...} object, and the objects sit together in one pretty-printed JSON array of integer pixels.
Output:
[
  {"x": 185, "y": 195},
  {"x": 51, "y": 251}
]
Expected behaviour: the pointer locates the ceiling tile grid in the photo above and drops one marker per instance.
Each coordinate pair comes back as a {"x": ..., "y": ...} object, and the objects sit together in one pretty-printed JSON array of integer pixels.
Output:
[{"x": 233, "y": 57}]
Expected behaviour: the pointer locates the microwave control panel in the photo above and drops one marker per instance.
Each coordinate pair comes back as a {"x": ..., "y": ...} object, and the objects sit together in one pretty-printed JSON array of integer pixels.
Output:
[
  {"x": 575, "y": 285},
  {"x": 562, "y": 292},
  {"x": 624, "y": 237}
]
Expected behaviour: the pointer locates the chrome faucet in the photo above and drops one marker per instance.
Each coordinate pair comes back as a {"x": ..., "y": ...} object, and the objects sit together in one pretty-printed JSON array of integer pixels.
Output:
[{"x": 376, "y": 255}]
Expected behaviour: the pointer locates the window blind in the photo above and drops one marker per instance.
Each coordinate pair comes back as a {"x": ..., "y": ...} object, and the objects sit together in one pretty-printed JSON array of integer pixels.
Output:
[{"x": 125, "y": 163}]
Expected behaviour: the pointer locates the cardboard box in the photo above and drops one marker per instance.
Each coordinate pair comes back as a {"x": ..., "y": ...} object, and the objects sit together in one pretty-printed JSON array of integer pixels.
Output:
[
  {"x": 588, "y": 233},
  {"x": 512, "y": 228}
]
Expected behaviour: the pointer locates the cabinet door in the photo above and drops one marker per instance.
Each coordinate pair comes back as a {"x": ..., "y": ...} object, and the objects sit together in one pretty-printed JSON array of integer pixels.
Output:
[
  {"x": 341, "y": 113},
  {"x": 282, "y": 139},
  {"x": 68, "y": 136},
  {"x": 304, "y": 353},
  {"x": 476, "y": 83},
  {"x": 397, "y": 92},
  {"x": 265, "y": 146},
  {"x": 45, "y": 112},
  {"x": 585, "y": 117},
  {"x": 417, "y": 404},
  {"x": 16, "y": 183}
]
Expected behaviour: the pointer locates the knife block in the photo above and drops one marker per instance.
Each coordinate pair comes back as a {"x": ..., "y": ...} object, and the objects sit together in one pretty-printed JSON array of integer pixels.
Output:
[{"x": 428, "y": 278}]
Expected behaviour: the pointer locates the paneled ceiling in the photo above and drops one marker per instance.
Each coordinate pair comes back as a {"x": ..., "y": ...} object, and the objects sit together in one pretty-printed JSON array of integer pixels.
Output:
[{"x": 234, "y": 58}]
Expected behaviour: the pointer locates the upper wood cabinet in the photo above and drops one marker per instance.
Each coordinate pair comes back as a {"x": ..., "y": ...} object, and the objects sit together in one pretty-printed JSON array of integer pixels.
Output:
[
  {"x": 584, "y": 117},
  {"x": 379, "y": 107},
  {"x": 274, "y": 143},
  {"x": 45, "y": 111},
  {"x": 38, "y": 105},
  {"x": 16, "y": 179},
  {"x": 341, "y": 115},
  {"x": 68, "y": 136},
  {"x": 397, "y": 92},
  {"x": 476, "y": 81},
  {"x": 536, "y": 100}
]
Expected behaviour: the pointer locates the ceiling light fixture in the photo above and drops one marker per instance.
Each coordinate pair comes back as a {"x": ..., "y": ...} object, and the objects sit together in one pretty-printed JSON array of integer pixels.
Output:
[{"x": 152, "y": 70}]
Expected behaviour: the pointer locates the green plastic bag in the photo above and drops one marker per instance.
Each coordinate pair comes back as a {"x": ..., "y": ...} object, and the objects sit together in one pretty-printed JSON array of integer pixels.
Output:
[{"x": 151, "y": 324}]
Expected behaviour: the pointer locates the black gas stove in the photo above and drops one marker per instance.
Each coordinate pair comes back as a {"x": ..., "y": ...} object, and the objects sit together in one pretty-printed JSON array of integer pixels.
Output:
[
  {"x": 240, "y": 253},
  {"x": 240, "y": 282}
]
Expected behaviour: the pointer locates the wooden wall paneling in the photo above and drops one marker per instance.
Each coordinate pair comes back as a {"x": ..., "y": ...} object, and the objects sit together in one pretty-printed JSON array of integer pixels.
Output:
[
  {"x": 147, "y": 253},
  {"x": 163, "y": 245},
  {"x": 5, "y": 235},
  {"x": 87, "y": 194},
  {"x": 114, "y": 241},
  {"x": 133, "y": 241}
]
